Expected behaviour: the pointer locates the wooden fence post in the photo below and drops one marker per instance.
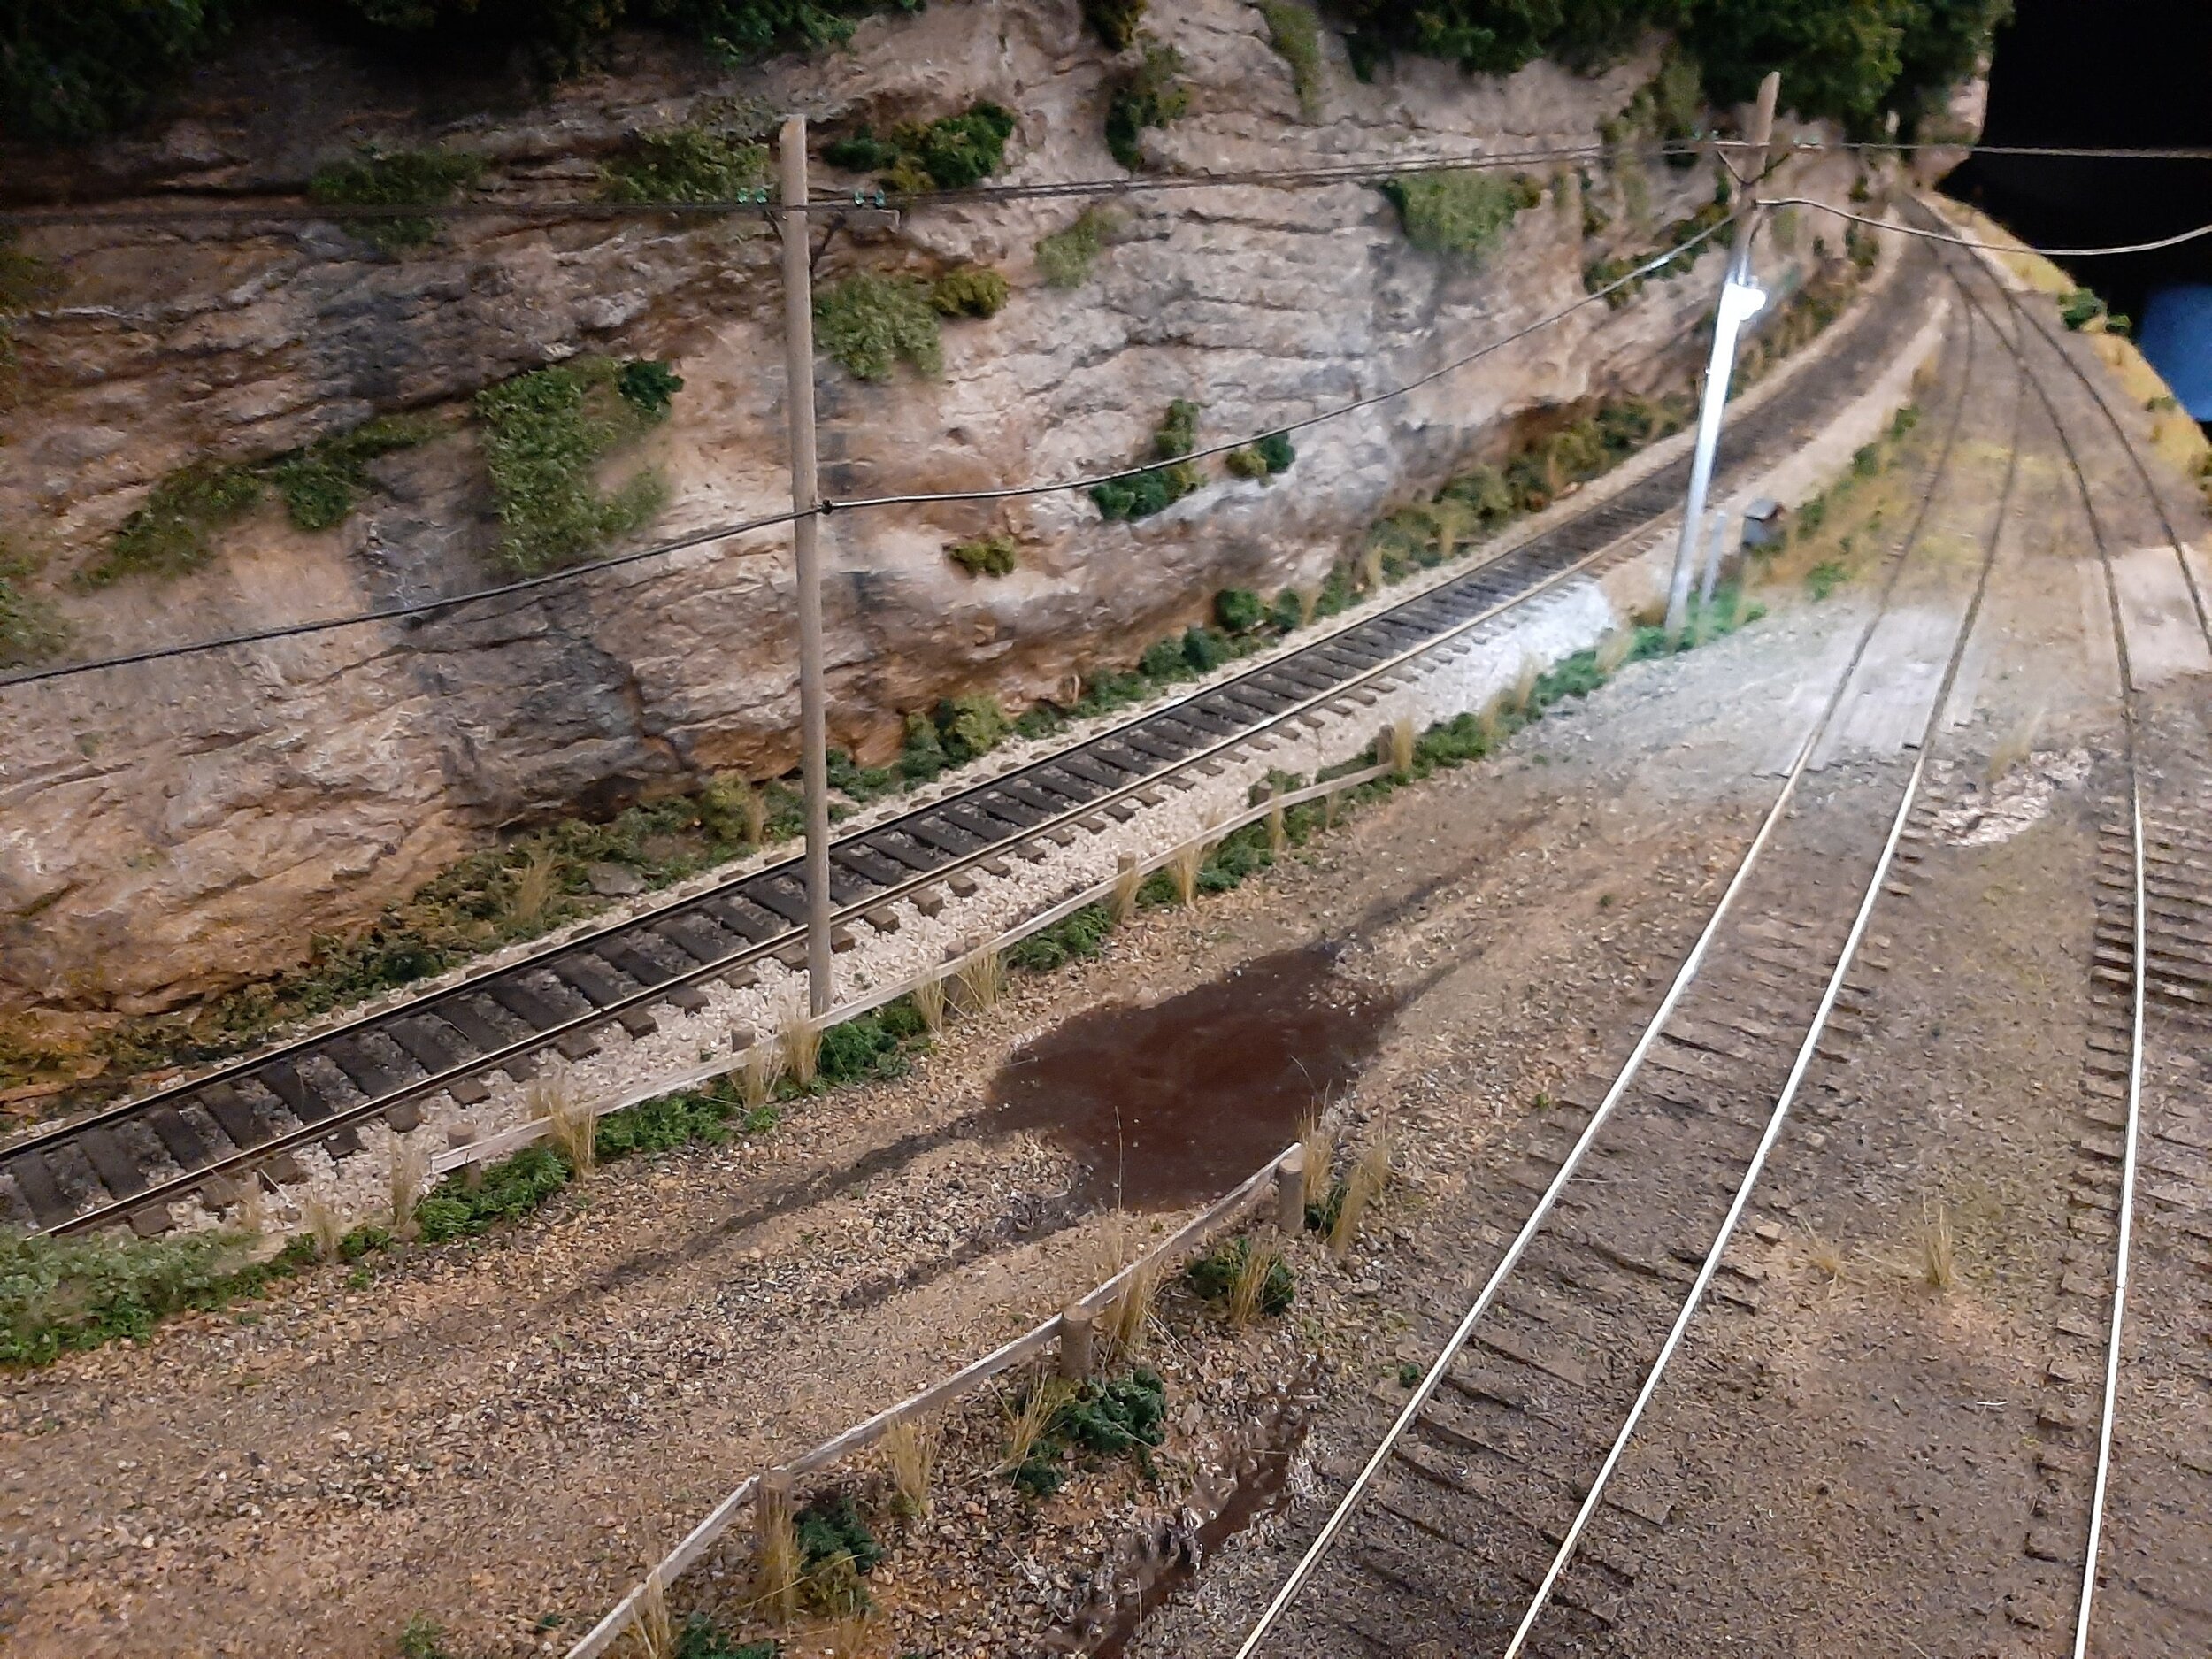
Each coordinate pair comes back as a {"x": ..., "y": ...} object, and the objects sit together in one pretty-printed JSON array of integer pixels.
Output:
[
  {"x": 1290, "y": 1193},
  {"x": 1077, "y": 1328}
]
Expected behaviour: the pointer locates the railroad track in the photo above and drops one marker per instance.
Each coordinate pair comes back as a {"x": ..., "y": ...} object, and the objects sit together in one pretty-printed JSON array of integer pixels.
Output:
[
  {"x": 2133, "y": 1389},
  {"x": 1511, "y": 1506},
  {"x": 244, "y": 1121}
]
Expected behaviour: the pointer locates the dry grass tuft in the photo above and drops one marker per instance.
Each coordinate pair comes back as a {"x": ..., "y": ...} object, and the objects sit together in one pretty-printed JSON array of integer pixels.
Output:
[
  {"x": 929, "y": 1002},
  {"x": 982, "y": 981},
  {"x": 2017, "y": 746},
  {"x": 1824, "y": 1256},
  {"x": 779, "y": 1564},
  {"x": 1308, "y": 602},
  {"x": 752, "y": 806},
  {"x": 851, "y": 1636},
  {"x": 1370, "y": 1173},
  {"x": 1127, "y": 879},
  {"x": 1938, "y": 1260},
  {"x": 1026, "y": 1425},
  {"x": 1613, "y": 650},
  {"x": 1251, "y": 1284},
  {"x": 1277, "y": 827},
  {"x": 756, "y": 1079},
  {"x": 570, "y": 1124},
  {"x": 652, "y": 1630},
  {"x": 535, "y": 885},
  {"x": 411, "y": 1175},
  {"x": 1319, "y": 1143},
  {"x": 1401, "y": 736},
  {"x": 1126, "y": 1321},
  {"x": 799, "y": 1041},
  {"x": 909, "y": 1451},
  {"x": 1184, "y": 866},
  {"x": 1525, "y": 685},
  {"x": 1371, "y": 570},
  {"x": 319, "y": 1217}
]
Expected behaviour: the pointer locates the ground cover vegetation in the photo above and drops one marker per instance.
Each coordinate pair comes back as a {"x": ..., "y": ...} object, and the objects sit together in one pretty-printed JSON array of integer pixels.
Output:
[
  {"x": 1141, "y": 494},
  {"x": 871, "y": 321},
  {"x": 319, "y": 485},
  {"x": 1294, "y": 32},
  {"x": 544, "y": 435},
  {"x": 30, "y": 628},
  {"x": 1463, "y": 215},
  {"x": 1065, "y": 257},
  {"x": 1150, "y": 93},
  {"x": 395, "y": 178},
  {"x": 687, "y": 164}
]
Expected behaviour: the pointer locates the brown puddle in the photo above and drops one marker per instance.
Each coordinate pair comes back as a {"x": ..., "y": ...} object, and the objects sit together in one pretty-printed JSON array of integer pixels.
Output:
[{"x": 1174, "y": 1102}]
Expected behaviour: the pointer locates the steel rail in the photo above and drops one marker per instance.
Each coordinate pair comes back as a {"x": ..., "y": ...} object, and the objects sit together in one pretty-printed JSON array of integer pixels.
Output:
[
  {"x": 182, "y": 1184},
  {"x": 1779, "y": 1115},
  {"x": 1340, "y": 1516}
]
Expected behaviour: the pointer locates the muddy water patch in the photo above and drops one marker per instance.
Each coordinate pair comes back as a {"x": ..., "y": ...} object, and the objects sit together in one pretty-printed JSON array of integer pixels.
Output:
[{"x": 1169, "y": 1104}]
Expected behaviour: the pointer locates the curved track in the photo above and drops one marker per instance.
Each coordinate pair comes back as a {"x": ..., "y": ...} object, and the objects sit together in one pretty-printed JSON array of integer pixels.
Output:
[
  {"x": 1511, "y": 1506},
  {"x": 240, "y": 1122}
]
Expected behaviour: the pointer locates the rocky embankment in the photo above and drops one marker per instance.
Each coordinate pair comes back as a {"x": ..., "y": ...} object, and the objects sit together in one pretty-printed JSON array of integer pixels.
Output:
[{"x": 173, "y": 828}]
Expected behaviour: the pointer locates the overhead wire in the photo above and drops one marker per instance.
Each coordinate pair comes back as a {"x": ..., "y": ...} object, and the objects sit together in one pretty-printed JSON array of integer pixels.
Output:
[
  {"x": 1991, "y": 246},
  {"x": 696, "y": 538}
]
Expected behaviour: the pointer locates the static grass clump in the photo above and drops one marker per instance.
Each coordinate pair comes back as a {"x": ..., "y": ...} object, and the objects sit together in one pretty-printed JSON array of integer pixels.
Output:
[
  {"x": 395, "y": 178},
  {"x": 1152, "y": 94},
  {"x": 949, "y": 153},
  {"x": 544, "y": 435},
  {"x": 1214, "y": 1275},
  {"x": 985, "y": 556},
  {"x": 1143, "y": 493},
  {"x": 871, "y": 323},
  {"x": 687, "y": 164},
  {"x": 1462, "y": 215}
]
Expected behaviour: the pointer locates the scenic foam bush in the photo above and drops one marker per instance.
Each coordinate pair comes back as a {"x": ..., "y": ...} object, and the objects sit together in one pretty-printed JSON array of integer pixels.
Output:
[
  {"x": 1152, "y": 94},
  {"x": 687, "y": 164},
  {"x": 1143, "y": 493},
  {"x": 949, "y": 153},
  {"x": 870, "y": 323},
  {"x": 969, "y": 290},
  {"x": 985, "y": 556}
]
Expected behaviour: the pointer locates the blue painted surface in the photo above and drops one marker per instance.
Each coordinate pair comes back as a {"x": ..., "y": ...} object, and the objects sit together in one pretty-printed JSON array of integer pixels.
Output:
[{"x": 2177, "y": 338}]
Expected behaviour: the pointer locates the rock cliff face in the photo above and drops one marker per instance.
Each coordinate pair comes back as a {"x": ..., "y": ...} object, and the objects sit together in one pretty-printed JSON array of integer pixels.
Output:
[{"x": 171, "y": 828}]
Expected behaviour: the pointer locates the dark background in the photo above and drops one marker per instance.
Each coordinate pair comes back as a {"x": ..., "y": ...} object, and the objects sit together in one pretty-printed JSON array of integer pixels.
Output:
[{"x": 2121, "y": 73}]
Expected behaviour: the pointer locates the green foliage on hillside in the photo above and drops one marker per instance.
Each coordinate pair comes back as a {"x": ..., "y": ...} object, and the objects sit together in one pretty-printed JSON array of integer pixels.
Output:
[
  {"x": 1143, "y": 493},
  {"x": 1295, "y": 33},
  {"x": 29, "y": 630},
  {"x": 1152, "y": 94},
  {"x": 949, "y": 153},
  {"x": 544, "y": 434},
  {"x": 71, "y": 72},
  {"x": 1462, "y": 214},
  {"x": 687, "y": 164},
  {"x": 870, "y": 322},
  {"x": 1064, "y": 257},
  {"x": 1855, "y": 61},
  {"x": 969, "y": 290},
  {"x": 394, "y": 178}
]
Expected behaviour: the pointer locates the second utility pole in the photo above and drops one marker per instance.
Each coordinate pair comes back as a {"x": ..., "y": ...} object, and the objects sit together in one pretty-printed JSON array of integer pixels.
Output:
[
  {"x": 1740, "y": 301},
  {"x": 798, "y": 335}
]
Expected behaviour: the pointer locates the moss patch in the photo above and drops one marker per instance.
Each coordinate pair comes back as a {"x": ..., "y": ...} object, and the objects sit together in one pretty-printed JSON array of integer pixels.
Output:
[{"x": 1462, "y": 215}]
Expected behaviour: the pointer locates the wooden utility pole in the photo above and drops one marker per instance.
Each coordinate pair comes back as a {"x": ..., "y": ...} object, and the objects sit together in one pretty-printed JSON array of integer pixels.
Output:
[
  {"x": 1740, "y": 301},
  {"x": 798, "y": 337}
]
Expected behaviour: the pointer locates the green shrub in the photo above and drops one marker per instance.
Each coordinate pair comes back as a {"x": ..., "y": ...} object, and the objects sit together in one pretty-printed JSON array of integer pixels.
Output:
[
  {"x": 950, "y": 153},
  {"x": 1121, "y": 1415},
  {"x": 1824, "y": 578},
  {"x": 2079, "y": 308},
  {"x": 399, "y": 178},
  {"x": 1295, "y": 33},
  {"x": 1263, "y": 460},
  {"x": 701, "y": 1638},
  {"x": 922, "y": 757},
  {"x": 321, "y": 484},
  {"x": 1077, "y": 936},
  {"x": 1150, "y": 95},
  {"x": 544, "y": 435},
  {"x": 1238, "y": 609},
  {"x": 1460, "y": 214},
  {"x": 1143, "y": 493},
  {"x": 969, "y": 290},
  {"x": 687, "y": 164},
  {"x": 986, "y": 555},
  {"x": 1214, "y": 1274},
  {"x": 29, "y": 628},
  {"x": 955, "y": 732},
  {"x": 869, "y": 322},
  {"x": 1116, "y": 21},
  {"x": 1065, "y": 259}
]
